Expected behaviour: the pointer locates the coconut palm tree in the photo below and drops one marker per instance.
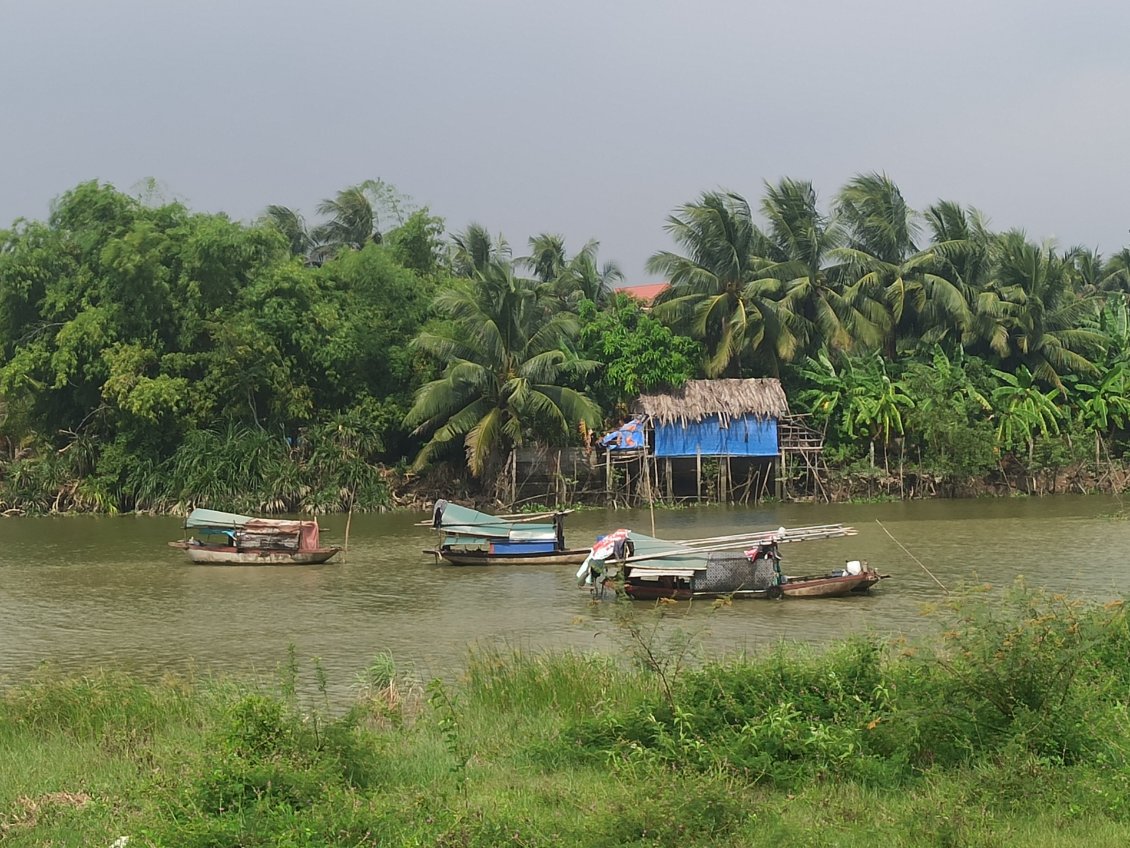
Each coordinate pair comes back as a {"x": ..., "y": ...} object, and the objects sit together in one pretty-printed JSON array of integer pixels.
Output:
[
  {"x": 547, "y": 257},
  {"x": 508, "y": 359},
  {"x": 1048, "y": 328},
  {"x": 475, "y": 249},
  {"x": 1116, "y": 273},
  {"x": 355, "y": 215},
  {"x": 961, "y": 260},
  {"x": 708, "y": 296},
  {"x": 803, "y": 241},
  {"x": 293, "y": 227},
  {"x": 886, "y": 276},
  {"x": 352, "y": 219},
  {"x": 586, "y": 278}
]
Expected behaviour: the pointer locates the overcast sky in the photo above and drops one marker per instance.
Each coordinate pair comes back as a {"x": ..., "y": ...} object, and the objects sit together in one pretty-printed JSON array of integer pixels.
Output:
[{"x": 589, "y": 118}]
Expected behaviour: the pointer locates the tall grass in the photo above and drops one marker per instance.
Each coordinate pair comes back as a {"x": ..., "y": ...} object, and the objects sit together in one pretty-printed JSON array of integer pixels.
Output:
[{"x": 1008, "y": 728}]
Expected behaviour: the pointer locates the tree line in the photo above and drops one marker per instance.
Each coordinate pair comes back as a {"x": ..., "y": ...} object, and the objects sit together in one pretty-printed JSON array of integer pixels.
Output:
[{"x": 152, "y": 357}]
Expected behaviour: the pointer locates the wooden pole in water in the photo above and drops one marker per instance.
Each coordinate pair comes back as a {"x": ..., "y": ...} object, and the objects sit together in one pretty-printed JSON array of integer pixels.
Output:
[
  {"x": 650, "y": 495},
  {"x": 608, "y": 471},
  {"x": 559, "y": 483},
  {"x": 670, "y": 479},
  {"x": 698, "y": 472},
  {"x": 348, "y": 521}
]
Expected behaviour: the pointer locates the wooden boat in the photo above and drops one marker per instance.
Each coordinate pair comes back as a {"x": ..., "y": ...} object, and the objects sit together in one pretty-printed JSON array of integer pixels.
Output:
[
  {"x": 857, "y": 577},
  {"x": 225, "y": 538},
  {"x": 469, "y": 537},
  {"x": 741, "y": 566}
]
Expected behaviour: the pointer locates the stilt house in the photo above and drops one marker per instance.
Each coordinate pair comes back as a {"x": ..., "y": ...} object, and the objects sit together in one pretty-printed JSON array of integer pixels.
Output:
[{"x": 725, "y": 440}]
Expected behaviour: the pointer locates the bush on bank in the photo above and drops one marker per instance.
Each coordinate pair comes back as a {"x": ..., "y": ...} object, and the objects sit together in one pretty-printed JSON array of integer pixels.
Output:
[{"x": 1010, "y": 728}]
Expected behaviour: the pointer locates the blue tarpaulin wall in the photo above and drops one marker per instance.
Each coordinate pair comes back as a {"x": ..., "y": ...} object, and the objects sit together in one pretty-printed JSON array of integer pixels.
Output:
[{"x": 746, "y": 436}]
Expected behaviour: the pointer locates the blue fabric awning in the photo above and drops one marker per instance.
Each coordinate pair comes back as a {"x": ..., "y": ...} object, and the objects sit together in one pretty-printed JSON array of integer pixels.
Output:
[{"x": 745, "y": 436}]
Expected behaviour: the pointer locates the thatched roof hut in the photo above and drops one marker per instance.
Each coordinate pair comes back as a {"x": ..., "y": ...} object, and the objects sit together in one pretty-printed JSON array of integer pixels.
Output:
[{"x": 761, "y": 399}]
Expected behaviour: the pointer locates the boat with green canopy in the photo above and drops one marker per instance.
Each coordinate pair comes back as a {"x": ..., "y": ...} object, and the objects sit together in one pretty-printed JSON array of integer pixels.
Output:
[
  {"x": 470, "y": 537},
  {"x": 215, "y": 537},
  {"x": 741, "y": 565}
]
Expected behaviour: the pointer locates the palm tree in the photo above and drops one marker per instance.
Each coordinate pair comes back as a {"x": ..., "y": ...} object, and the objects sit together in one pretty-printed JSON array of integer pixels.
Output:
[
  {"x": 582, "y": 276},
  {"x": 507, "y": 361},
  {"x": 708, "y": 291},
  {"x": 547, "y": 256},
  {"x": 1116, "y": 274},
  {"x": 803, "y": 241},
  {"x": 887, "y": 277},
  {"x": 293, "y": 227},
  {"x": 352, "y": 219},
  {"x": 571, "y": 278},
  {"x": 1048, "y": 329},
  {"x": 961, "y": 259},
  {"x": 474, "y": 250}
]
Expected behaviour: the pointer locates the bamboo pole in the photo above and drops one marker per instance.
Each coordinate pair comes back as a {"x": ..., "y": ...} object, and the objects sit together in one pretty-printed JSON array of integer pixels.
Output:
[
  {"x": 670, "y": 480},
  {"x": 793, "y": 534},
  {"x": 913, "y": 557}
]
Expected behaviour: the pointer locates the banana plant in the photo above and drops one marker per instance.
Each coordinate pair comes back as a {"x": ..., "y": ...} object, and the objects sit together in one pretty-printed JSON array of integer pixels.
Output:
[
  {"x": 1104, "y": 407},
  {"x": 1022, "y": 409}
]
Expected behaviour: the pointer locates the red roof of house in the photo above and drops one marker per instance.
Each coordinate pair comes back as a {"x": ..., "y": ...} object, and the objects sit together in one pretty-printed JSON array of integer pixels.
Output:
[{"x": 647, "y": 293}]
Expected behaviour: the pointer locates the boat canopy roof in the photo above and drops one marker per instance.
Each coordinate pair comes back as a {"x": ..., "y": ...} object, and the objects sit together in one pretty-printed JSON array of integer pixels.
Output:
[
  {"x": 460, "y": 522},
  {"x": 660, "y": 558},
  {"x": 211, "y": 519}
]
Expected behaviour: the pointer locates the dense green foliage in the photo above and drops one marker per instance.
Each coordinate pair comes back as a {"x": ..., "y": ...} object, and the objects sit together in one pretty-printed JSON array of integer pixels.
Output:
[
  {"x": 152, "y": 357},
  {"x": 638, "y": 353},
  {"x": 1010, "y": 728}
]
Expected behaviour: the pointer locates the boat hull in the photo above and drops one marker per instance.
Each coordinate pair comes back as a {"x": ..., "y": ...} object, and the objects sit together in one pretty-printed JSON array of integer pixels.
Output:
[
  {"x": 645, "y": 592},
  {"x": 453, "y": 557},
  {"x": 220, "y": 555},
  {"x": 829, "y": 587}
]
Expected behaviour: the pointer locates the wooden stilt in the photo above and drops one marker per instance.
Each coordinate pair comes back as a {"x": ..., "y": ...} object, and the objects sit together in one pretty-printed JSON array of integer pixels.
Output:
[
  {"x": 560, "y": 481},
  {"x": 698, "y": 473},
  {"x": 671, "y": 481}
]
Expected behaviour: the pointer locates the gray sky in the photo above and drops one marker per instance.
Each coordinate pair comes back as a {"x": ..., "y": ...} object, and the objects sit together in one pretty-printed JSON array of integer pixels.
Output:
[{"x": 586, "y": 118}]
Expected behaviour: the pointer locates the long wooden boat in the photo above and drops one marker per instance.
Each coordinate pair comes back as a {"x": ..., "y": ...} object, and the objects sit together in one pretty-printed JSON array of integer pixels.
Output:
[
  {"x": 745, "y": 565},
  {"x": 226, "y": 538},
  {"x": 855, "y": 578},
  {"x": 470, "y": 537}
]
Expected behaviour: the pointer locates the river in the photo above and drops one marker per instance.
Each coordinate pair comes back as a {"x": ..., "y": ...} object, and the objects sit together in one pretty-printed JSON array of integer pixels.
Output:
[{"x": 80, "y": 592}]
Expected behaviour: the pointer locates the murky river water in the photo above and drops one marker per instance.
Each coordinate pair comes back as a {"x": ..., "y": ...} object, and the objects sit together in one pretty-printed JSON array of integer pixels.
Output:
[{"x": 80, "y": 592}]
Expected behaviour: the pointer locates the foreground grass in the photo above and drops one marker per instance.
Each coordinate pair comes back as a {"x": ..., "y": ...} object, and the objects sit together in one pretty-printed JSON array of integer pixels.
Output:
[{"x": 1010, "y": 730}]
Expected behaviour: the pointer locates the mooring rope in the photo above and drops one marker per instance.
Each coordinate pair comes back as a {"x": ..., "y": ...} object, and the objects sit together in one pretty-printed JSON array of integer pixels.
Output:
[{"x": 913, "y": 557}]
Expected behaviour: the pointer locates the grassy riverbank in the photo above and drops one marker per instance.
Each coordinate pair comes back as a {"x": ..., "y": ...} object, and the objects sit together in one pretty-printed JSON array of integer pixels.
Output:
[{"x": 1010, "y": 727}]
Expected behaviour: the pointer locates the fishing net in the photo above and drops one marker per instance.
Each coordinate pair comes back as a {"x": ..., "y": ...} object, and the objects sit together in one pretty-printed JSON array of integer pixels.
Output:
[{"x": 728, "y": 571}]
